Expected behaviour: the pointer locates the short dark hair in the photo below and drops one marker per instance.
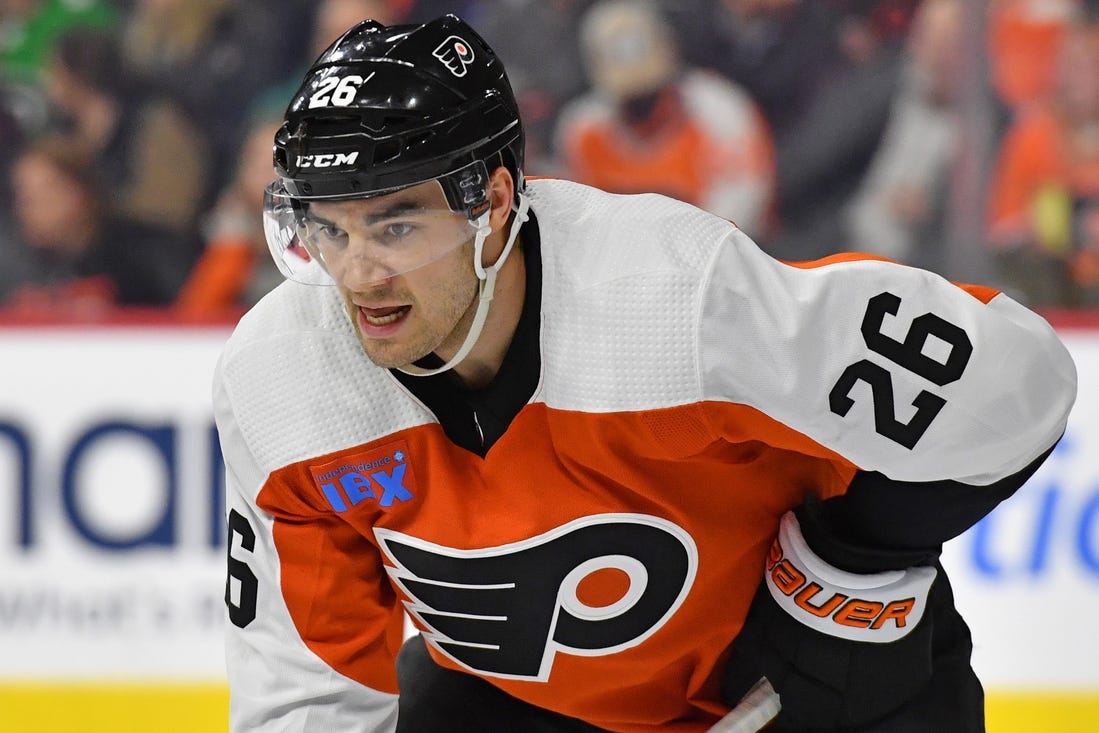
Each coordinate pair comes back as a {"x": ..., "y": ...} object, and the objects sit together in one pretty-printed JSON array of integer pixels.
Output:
[{"x": 94, "y": 58}]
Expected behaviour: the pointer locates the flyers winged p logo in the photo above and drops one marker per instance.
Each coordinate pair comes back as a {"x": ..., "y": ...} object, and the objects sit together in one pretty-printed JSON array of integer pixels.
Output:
[
  {"x": 508, "y": 611},
  {"x": 455, "y": 54}
]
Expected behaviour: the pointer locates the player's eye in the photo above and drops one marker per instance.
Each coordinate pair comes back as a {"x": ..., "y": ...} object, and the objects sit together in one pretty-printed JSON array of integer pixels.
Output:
[
  {"x": 328, "y": 235},
  {"x": 397, "y": 232}
]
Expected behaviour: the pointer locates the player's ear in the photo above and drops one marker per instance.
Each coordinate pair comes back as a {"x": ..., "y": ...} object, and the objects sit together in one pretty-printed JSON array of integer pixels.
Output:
[{"x": 501, "y": 195}]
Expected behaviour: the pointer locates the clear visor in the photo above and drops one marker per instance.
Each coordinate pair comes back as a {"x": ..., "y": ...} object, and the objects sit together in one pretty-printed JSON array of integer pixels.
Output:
[{"x": 361, "y": 241}]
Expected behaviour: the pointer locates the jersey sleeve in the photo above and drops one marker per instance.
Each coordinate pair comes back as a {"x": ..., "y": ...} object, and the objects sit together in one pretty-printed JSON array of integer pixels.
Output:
[
  {"x": 296, "y": 659},
  {"x": 893, "y": 368}
]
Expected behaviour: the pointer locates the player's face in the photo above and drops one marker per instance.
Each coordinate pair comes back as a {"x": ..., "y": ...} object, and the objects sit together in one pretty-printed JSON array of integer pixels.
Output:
[{"x": 401, "y": 315}]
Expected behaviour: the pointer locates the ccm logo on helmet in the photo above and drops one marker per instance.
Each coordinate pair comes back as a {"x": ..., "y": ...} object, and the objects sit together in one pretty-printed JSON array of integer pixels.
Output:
[
  {"x": 455, "y": 54},
  {"x": 327, "y": 160}
]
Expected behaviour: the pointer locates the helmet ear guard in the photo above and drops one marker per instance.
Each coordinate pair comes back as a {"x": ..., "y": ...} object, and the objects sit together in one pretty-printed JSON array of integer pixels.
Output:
[{"x": 466, "y": 190}]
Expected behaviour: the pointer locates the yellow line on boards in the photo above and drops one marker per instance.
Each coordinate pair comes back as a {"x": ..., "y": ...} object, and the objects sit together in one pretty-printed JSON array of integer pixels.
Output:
[
  {"x": 203, "y": 708},
  {"x": 1029, "y": 712},
  {"x": 114, "y": 708}
]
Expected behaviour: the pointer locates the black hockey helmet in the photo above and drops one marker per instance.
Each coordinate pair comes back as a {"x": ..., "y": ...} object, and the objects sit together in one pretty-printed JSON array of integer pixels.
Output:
[{"x": 386, "y": 107}]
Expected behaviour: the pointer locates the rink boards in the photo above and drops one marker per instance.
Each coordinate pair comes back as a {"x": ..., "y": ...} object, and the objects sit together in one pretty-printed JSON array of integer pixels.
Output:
[{"x": 112, "y": 543}]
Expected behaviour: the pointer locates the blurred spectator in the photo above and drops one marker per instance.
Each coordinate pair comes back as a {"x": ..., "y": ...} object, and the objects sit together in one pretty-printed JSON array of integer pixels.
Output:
[
  {"x": 823, "y": 156},
  {"x": 332, "y": 18},
  {"x": 29, "y": 29},
  {"x": 778, "y": 50},
  {"x": 215, "y": 56},
  {"x": 329, "y": 20},
  {"x": 538, "y": 41},
  {"x": 1044, "y": 203},
  {"x": 152, "y": 160},
  {"x": 900, "y": 208},
  {"x": 1023, "y": 41},
  {"x": 854, "y": 151},
  {"x": 72, "y": 257},
  {"x": 12, "y": 134},
  {"x": 423, "y": 11},
  {"x": 823, "y": 73},
  {"x": 891, "y": 19},
  {"x": 648, "y": 124},
  {"x": 235, "y": 270}
]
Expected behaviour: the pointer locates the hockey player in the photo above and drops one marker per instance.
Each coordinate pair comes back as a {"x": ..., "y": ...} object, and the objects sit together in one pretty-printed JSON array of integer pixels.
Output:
[{"x": 622, "y": 470}]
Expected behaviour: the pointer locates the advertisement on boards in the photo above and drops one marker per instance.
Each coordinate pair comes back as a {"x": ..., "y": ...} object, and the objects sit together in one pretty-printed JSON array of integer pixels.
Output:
[
  {"x": 1027, "y": 576},
  {"x": 111, "y": 522}
]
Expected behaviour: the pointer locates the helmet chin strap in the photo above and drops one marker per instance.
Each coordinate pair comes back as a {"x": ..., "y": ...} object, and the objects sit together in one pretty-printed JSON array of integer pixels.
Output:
[{"x": 486, "y": 277}]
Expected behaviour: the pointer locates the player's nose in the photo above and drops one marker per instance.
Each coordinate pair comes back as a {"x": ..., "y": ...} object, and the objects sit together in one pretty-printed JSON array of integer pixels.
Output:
[{"x": 361, "y": 268}]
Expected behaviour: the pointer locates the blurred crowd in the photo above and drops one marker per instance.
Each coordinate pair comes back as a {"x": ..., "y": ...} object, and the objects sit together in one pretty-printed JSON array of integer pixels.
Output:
[{"x": 135, "y": 135}]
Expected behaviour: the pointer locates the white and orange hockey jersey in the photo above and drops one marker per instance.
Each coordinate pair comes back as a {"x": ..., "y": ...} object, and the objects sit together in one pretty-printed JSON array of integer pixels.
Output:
[
  {"x": 706, "y": 143},
  {"x": 601, "y": 556}
]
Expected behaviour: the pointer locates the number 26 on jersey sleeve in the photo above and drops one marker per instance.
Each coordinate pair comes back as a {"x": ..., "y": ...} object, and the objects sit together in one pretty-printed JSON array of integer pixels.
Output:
[{"x": 907, "y": 355}]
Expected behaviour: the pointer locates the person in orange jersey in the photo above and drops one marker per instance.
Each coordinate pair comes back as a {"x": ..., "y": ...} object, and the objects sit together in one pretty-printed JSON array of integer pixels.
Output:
[
  {"x": 1024, "y": 39},
  {"x": 1044, "y": 195},
  {"x": 234, "y": 270},
  {"x": 621, "y": 469},
  {"x": 70, "y": 256},
  {"x": 650, "y": 124},
  {"x": 899, "y": 209}
]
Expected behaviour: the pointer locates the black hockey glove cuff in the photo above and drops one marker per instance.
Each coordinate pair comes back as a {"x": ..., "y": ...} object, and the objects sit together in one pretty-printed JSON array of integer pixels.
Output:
[
  {"x": 841, "y": 648},
  {"x": 836, "y": 537}
]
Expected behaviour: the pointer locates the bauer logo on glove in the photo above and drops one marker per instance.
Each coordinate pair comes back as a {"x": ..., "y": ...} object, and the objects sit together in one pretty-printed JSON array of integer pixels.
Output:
[{"x": 881, "y": 607}]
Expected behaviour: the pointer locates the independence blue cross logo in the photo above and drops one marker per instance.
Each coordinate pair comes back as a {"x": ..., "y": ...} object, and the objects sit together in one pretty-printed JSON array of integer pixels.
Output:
[{"x": 380, "y": 475}]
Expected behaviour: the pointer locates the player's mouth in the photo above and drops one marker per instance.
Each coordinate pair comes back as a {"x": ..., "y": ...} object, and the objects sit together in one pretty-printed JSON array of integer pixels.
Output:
[{"x": 383, "y": 321}]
